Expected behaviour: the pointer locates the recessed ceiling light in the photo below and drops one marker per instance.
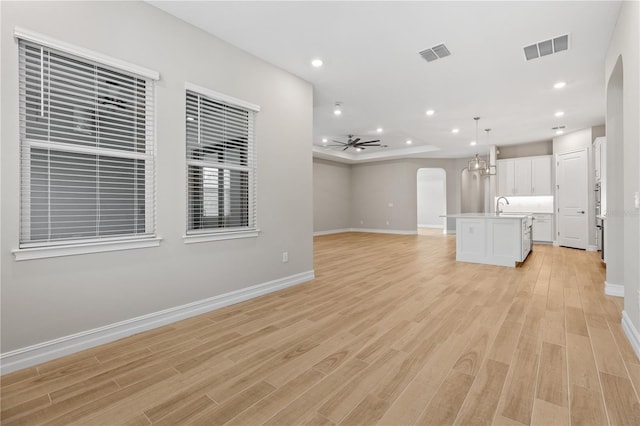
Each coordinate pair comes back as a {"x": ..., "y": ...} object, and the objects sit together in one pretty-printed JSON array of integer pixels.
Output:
[
  {"x": 559, "y": 132},
  {"x": 409, "y": 141},
  {"x": 338, "y": 109},
  {"x": 430, "y": 112},
  {"x": 559, "y": 85},
  {"x": 358, "y": 149},
  {"x": 379, "y": 130},
  {"x": 559, "y": 113},
  {"x": 455, "y": 130},
  {"x": 472, "y": 143},
  {"x": 317, "y": 63},
  {"x": 324, "y": 140}
]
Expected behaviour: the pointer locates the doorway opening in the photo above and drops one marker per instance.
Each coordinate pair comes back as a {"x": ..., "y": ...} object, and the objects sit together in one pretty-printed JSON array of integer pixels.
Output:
[{"x": 432, "y": 201}]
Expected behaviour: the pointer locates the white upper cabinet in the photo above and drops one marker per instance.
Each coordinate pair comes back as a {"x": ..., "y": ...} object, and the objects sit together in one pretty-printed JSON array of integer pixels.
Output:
[
  {"x": 506, "y": 178},
  {"x": 525, "y": 176},
  {"x": 600, "y": 170},
  {"x": 541, "y": 175},
  {"x": 522, "y": 175},
  {"x": 600, "y": 158}
]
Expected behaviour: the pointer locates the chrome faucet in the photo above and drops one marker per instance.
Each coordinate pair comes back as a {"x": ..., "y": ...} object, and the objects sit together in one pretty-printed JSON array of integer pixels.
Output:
[{"x": 498, "y": 204}]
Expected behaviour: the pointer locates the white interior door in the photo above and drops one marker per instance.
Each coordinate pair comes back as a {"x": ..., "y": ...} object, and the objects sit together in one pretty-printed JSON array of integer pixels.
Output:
[{"x": 571, "y": 178}]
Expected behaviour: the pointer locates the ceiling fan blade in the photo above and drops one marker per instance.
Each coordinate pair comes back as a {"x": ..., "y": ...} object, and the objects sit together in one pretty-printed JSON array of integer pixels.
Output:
[
  {"x": 345, "y": 148},
  {"x": 341, "y": 143},
  {"x": 362, "y": 147},
  {"x": 376, "y": 141},
  {"x": 355, "y": 141}
]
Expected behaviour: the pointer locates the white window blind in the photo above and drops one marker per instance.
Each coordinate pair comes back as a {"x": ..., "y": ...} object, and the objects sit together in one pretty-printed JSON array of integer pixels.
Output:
[
  {"x": 87, "y": 160},
  {"x": 221, "y": 163}
]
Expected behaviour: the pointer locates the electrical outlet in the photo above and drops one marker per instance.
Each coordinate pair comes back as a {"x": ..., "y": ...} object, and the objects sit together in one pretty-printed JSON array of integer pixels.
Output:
[{"x": 285, "y": 256}]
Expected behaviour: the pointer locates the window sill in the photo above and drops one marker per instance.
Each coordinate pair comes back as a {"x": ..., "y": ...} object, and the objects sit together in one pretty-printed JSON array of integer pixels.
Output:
[
  {"x": 218, "y": 236},
  {"x": 84, "y": 248}
]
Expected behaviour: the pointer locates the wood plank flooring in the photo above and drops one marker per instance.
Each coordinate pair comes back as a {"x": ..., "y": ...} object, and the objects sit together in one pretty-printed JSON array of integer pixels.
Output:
[{"x": 392, "y": 331}]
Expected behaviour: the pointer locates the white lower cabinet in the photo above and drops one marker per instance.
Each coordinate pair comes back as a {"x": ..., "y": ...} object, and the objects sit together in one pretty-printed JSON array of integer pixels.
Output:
[
  {"x": 542, "y": 227},
  {"x": 500, "y": 241}
]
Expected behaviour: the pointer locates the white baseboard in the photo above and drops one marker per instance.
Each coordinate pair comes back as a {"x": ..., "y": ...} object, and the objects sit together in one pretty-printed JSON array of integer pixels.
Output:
[
  {"x": 430, "y": 226},
  {"x": 385, "y": 231},
  {"x": 613, "y": 289},
  {"x": 632, "y": 333},
  {"x": 592, "y": 248},
  {"x": 46, "y": 351},
  {"x": 370, "y": 230},
  {"x": 331, "y": 231}
]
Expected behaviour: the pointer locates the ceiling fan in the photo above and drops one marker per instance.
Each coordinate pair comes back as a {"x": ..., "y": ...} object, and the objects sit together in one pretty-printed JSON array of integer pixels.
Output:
[{"x": 355, "y": 143}]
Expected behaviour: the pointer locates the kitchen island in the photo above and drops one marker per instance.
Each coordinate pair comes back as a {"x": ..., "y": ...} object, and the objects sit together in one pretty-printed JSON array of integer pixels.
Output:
[{"x": 493, "y": 239}]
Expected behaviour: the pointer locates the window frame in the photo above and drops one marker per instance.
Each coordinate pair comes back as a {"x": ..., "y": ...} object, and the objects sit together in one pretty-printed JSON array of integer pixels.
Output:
[
  {"x": 224, "y": 233},
  {"x": 30, "y": 249}
]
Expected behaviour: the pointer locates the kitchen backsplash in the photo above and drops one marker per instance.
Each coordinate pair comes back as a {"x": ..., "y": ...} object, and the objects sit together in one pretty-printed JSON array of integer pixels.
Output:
[{"x": 531, "y": 204}]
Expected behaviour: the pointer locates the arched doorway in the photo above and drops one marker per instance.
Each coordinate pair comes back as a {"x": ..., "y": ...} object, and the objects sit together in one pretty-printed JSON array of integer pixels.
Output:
[{"x": 431, "y": 200}]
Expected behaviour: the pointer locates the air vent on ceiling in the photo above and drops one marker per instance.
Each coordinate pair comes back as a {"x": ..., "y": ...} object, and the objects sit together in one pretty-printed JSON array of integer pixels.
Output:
[
  {"x": 558, "y": 127},
  {"x": 547, "y": 47},
  {"x": 436, "y": 52}
]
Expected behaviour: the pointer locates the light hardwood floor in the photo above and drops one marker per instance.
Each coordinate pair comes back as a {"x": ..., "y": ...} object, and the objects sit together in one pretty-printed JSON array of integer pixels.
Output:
[{"x": 392, "y": 331}]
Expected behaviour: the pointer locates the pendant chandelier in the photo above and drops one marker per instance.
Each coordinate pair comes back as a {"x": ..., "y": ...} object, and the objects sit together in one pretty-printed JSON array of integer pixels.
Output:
[
  {"x": 489, "y": 169},
  {"x": 477, "y": 163}
]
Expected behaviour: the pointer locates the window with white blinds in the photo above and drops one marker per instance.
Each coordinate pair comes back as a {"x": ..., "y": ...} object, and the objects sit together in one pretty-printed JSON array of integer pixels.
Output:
[
  {"x": 87, "y": 160},
  {"x": 221, "y": 164}
]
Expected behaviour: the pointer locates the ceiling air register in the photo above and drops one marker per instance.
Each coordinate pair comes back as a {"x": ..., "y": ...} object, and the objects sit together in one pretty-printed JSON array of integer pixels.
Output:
[
  {"x": 547, "y": 47},
  {"x": 436, "y": 52}
]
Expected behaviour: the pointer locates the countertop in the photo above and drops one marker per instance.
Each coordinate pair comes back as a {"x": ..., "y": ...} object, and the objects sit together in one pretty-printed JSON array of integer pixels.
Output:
[
  {"x": 527, "y": 212},
  {"x": 490, "y": 215}
]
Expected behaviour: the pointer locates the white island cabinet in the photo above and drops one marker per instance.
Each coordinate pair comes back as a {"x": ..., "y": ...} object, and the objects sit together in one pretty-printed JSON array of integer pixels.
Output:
[{"x": 492, "y": 239}]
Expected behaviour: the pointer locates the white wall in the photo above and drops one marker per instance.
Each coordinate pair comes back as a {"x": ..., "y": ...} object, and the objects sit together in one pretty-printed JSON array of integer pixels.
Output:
[
  {"x": 331, "y": 196},
  {"x": 574, "y": 141},
  {"x": 432, "y": 197},
  {"x": 623, "y": 157},
  {"x": 376, "y": 185},
  {"x": 50, "y": 298}
]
